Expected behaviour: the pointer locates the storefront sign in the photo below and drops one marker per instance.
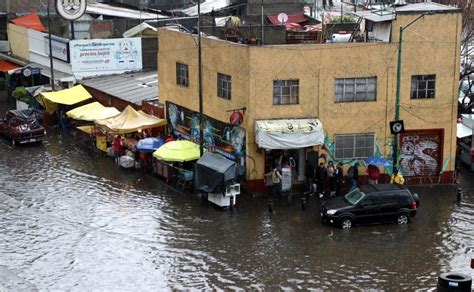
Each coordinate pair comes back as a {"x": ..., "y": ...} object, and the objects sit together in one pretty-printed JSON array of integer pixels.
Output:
[
  {"x": 60, "y": 48},
  {"x": 219, "y": 137},
  {"x": 71, "y": 9},
  {"x": 104, "y": 56}
]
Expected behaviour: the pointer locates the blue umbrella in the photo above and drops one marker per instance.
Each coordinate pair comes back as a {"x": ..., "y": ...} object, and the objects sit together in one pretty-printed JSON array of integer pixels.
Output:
[
  {"x": 377, "y": 161},
  {"x": 149, "y": 144}
]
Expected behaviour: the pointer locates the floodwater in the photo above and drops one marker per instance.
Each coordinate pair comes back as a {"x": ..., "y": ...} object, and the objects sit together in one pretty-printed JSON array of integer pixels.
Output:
[{"x": 69, "y": 221}]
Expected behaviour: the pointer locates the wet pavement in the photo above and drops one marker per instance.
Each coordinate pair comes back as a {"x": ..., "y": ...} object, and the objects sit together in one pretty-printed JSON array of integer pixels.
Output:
[{"x": 69, "y": 221}]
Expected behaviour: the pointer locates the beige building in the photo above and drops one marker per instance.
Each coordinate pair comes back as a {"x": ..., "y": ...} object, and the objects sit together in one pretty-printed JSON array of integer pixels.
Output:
[{"x": 349, "y": 87}]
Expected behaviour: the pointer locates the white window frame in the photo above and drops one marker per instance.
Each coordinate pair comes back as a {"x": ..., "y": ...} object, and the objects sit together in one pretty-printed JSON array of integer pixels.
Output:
[
  {"x": 351, "y": 146},
  {"x": 418, "y": 82},
  {"x": 360, "y": 89},
  {"x": 286, "y": 92}
]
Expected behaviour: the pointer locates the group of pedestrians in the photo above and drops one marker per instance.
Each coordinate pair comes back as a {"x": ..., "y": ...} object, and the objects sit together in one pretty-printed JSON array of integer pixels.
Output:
[
  {"x": 324, "y": 179},
  {"x": 328, "y": 180}
]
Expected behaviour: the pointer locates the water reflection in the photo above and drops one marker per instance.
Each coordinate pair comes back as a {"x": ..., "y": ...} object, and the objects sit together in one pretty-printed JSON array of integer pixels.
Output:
[{"x": 72, "y": 222}]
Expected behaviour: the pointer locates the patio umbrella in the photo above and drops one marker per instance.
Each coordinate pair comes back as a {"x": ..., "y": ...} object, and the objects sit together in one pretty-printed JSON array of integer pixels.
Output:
[
  {"x": 377, "y": 161},
  {"x": 178, "y": 151},
  {"x": 149, "y": 145}
]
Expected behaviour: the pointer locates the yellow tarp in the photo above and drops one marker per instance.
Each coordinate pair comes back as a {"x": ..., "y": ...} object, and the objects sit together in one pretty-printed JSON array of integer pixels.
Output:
[
  {"x": 68, "y": 96},
  {"x": 86, "y": 129},
  {"x": 92, "y": 111},
  {"x": 130, "y": 121}
]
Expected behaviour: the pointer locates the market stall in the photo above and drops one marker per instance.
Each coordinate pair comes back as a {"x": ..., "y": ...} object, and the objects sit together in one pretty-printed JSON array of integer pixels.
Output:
[
  {"x": 180, "y": 152},
  {"x": 127, "y": 122},
  {"x": 89, "y": 113}
]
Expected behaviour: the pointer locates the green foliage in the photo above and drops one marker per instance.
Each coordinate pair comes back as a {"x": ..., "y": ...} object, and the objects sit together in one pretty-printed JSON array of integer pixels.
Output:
[
  {"x": 345, "y": 19},
  {"x": 21, "y": 94}
]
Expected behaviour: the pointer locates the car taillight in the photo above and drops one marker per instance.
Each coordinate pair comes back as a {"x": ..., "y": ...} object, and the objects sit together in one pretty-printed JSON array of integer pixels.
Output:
[{"x": 413, "y": 205}]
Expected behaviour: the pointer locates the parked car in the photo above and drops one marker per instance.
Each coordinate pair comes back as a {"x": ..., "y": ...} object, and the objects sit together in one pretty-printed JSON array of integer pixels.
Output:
[
  {"x": 371, "y": 204},
  {"x": 22, "y": 126}
]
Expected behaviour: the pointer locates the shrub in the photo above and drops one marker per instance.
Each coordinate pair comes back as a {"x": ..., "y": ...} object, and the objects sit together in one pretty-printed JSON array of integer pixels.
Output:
[
  {"x": 345, "y": 19},
  {"x": 21, "y": 94}
]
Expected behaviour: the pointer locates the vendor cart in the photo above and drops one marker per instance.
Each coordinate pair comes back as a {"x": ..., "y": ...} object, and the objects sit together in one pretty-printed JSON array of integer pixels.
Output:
[{"x": 218, "y": 177}]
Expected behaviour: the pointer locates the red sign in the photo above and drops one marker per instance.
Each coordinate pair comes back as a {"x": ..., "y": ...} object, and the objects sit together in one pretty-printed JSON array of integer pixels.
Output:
[{"x": 236, "y": 118}]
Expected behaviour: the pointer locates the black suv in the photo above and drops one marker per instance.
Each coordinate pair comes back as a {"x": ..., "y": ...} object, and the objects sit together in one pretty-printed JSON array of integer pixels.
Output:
[{"x": 371, "y": 204}]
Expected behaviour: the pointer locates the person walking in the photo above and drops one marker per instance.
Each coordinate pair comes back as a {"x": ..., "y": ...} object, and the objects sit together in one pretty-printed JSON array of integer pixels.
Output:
[
  {"x": 276, "y": 180},
  {"x": 321, "y": 178},
  {"x": 373, "y": 173},
  {"x": 397, "y": 178},
  {"x": 353, "y": 174},
  {"x": 338, "y": 179},
  {"x": 117, "y": 148}
]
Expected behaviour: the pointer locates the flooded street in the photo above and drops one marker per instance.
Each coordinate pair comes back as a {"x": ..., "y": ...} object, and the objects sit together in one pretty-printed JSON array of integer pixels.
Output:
[{"x": 69, "y": 221}]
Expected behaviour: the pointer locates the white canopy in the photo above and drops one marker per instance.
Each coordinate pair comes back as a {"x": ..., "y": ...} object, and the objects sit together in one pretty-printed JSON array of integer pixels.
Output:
[{"x": 288, "y": 133}]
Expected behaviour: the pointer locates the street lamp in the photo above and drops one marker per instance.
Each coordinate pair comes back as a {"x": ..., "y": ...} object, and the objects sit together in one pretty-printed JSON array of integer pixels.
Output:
[{"x": 397, "y": 94}]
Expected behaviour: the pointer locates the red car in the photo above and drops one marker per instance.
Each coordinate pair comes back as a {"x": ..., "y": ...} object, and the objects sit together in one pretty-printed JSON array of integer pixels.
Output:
[{"x": 22, "y": 126}]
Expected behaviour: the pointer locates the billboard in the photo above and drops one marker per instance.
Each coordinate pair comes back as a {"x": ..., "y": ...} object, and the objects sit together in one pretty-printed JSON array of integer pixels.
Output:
[
  {"x": 219, "y": 137},
  {"x": 105, "y": 56}
]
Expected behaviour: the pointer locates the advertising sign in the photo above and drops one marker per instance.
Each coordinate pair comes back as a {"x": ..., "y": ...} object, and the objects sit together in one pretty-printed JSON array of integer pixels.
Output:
[
  {"x": 219, "y": 137},
  {"x": 71, "y": 9},
  {"x": 104, "y": 56},
  {"x": 60, "y": 48}
]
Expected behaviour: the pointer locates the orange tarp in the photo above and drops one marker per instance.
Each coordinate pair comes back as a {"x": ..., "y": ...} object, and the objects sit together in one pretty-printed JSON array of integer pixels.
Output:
[
  {"x": 7, "y": 66},
  {"x": 30, "y": 21}
]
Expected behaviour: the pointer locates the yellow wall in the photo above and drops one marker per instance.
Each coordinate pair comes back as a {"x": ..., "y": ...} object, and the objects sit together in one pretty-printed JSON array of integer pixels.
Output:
[
  {"x": 18, "y": 39},
  {"x": 430, "y": 46}
]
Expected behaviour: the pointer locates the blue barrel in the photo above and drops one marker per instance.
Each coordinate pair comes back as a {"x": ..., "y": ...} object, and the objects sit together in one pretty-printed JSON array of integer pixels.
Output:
[{"x": 449, "y": 282}]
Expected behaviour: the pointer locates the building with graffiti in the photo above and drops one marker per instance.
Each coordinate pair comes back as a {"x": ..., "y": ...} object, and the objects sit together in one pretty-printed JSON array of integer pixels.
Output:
[{"x": 337, "y": 99}]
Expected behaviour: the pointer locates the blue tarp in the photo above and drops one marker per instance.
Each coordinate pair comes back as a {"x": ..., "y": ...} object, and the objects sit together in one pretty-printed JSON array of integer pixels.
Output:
[{"x": 149, "y": 145}]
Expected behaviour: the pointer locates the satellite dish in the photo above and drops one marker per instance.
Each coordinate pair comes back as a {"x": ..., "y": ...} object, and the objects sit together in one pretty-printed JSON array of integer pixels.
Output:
[{"x": 282, "y": 17}]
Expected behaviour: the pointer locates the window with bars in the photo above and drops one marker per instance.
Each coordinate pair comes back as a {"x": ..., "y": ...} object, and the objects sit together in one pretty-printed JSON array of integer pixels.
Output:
[
  {"x": 356, "y": 89},
  {"x": 224, "y": 86},
  {"x": 182, "y": 74},
  {"x": 423, "y": 86},
  {"x": 285, "y": 92},
  {"x": 354, "y": 146}
]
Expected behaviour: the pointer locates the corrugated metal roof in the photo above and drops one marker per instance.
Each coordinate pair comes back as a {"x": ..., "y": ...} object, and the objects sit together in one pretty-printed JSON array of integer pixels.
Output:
[
  {"x": 426, "y": 6},
  {"x": 132, "y": 87},
  {"x": 376, "y": 17},
  {"x": 109, "y": 10}
]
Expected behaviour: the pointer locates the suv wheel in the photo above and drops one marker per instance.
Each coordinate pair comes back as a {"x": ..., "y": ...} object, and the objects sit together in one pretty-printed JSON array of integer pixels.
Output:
[
  {"x": 402, "y": 218},
  {"x": 346, "y": 223}
]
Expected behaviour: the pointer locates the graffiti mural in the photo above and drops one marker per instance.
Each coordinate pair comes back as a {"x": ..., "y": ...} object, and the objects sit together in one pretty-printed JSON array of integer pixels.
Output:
[
  {"x": 421, "y": 153},
  {"x": 218, "y": 136}
]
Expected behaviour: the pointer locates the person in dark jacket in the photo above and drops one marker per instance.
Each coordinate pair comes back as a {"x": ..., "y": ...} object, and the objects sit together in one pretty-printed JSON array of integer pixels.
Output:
[
  {"x": 353, "y": 174},
  {"x": 338, "y": 178},
  {"x": 321, "y": 177},
  {"x": 309, "y": 177}
]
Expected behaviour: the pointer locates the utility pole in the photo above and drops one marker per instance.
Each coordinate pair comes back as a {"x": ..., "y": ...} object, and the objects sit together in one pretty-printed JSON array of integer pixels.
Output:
[
  {"x": 201, "y": 119},
  {"x": 397, "y": 93},
  {"x": 50, "y": 48}
]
